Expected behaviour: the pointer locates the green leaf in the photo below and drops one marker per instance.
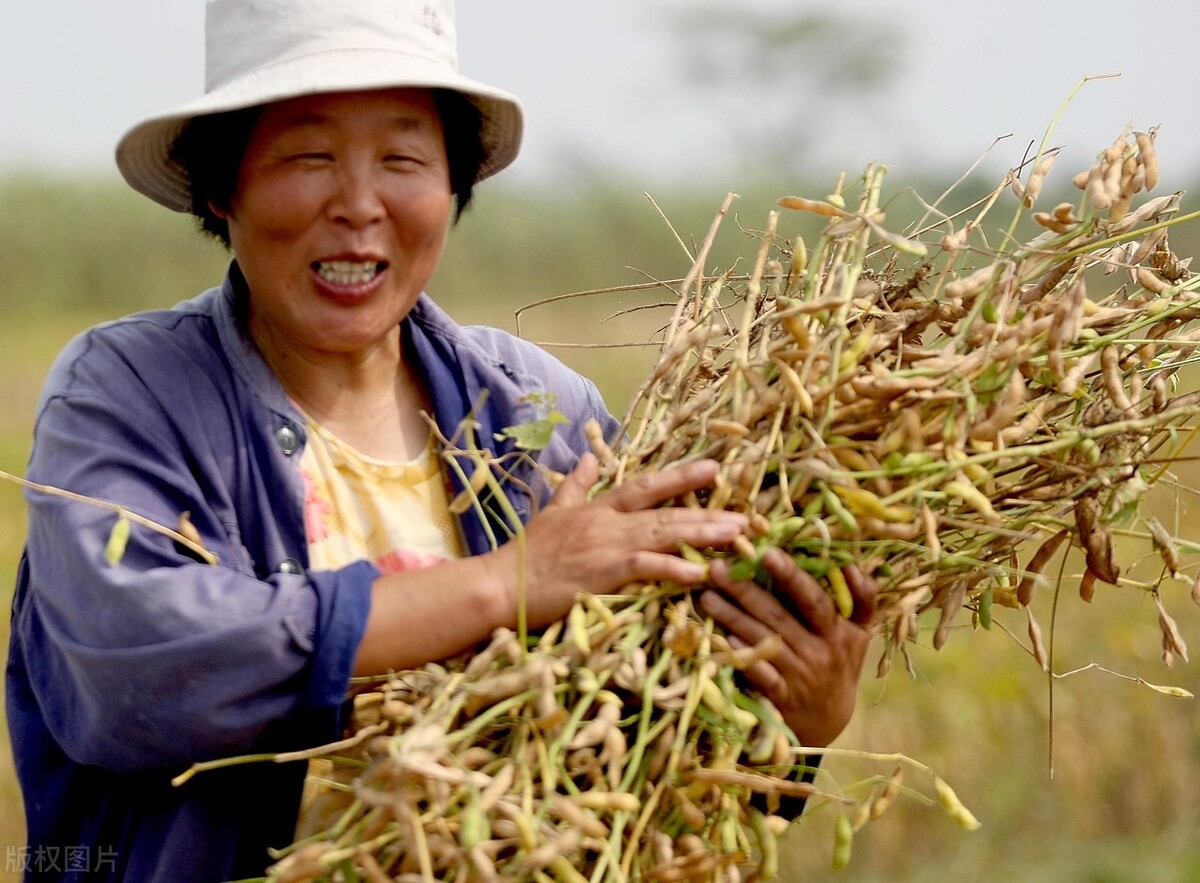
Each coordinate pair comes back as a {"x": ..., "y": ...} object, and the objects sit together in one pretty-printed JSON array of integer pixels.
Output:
[
  {"x": 536, "y": 434},
  {"x": 118, "y": 538}
]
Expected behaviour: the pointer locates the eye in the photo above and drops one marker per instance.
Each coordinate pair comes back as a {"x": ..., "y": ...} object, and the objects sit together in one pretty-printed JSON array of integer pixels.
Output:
[
  {"x": 306, "y": 158},
  {"x": 403, "y": 159}
]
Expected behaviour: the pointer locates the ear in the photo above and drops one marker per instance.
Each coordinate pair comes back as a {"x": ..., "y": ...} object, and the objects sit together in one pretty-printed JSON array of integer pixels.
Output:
[{"x": 221, "y": 213}]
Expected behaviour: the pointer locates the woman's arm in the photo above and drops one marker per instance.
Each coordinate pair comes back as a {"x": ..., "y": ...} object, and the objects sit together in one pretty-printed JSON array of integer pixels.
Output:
[
  {"x": 573, "y": 545},
  {"x": 157, "y": 660}
]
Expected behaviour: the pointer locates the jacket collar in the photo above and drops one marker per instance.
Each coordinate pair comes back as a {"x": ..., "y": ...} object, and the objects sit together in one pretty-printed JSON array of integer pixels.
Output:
[{"x": 460, "y": 373}]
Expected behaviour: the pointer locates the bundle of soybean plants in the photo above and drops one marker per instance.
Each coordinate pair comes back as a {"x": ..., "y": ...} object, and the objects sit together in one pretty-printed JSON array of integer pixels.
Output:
[{"x": 952, "y": 406}]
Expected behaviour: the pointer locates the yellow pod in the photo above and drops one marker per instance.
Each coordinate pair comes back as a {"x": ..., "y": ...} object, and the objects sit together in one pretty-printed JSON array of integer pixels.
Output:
[
  {"x": 795, "y": 326},
  {"x": 952, "y": 805},
  {"x": 577, "y": 626},
  {"x": 864, "y": 503},
  {"x": 971, "y": 495},
  {"x": 843, "y": 841},
  {"x": 841, "y": 593},
  {"x": 799, "y": 256},
  {"x": 610, "y": 801},
  {"x": 850, "y": 356},
  {"x": 852, "y": 459},
  {"x": 711, "y": 696}
]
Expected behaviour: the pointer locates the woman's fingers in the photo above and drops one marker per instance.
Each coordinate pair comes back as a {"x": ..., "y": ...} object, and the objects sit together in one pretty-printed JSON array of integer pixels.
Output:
[
  {"x": 739, "y": 623},
  {"x": 662, "y": 530},
  {"x": 625, "y": 534},
  {"x": 796, "y": 602},
  {"x": 651, "y": 489},
  {"x": 808, "y": 600},
  {"x": 628, "y": 522},
  {"x": 575, "y": 486},
  {"x": 865, "y": 593},
  {"x": 646, "y": 525},
  {"x": 765, "y": 673},
  {"x": 645, "y": 545},
  {"x": 645, "y": 566}
]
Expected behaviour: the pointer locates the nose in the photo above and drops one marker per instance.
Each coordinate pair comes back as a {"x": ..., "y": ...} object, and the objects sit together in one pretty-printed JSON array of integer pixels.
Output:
[{"x": 357, "y": 200}]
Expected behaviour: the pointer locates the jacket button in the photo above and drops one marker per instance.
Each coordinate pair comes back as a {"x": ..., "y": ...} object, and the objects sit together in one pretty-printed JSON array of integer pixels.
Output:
[
  {"x": 287, "y": 439},
  {"x": 291, "y": 565}
]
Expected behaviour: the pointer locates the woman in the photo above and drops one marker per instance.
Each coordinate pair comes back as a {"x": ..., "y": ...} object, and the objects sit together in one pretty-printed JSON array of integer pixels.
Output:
[{"x": 282, "y": 415}]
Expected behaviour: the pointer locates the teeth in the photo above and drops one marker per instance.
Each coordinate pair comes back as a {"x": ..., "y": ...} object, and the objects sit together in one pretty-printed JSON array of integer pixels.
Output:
[{"x": 347, "y": 272}]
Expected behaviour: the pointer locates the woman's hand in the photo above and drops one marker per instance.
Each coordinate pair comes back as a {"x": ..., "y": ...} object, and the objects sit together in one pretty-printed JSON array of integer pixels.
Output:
[
  {"x": 621, "y": 536},
  {"x": 813, "y": 680},
  {"x": 573, "y": 545}
]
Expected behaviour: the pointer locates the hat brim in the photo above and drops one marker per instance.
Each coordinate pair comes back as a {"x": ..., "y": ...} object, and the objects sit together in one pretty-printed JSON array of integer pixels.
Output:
[{"x": 144, "y": 153}]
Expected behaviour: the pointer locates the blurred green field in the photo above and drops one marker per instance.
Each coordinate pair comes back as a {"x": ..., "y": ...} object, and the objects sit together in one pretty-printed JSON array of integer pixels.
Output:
[{"x": 1121, "y": 805}]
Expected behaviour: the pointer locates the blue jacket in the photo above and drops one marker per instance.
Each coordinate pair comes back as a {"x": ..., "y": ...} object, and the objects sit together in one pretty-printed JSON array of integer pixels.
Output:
[{"x": 120, "y": 677}]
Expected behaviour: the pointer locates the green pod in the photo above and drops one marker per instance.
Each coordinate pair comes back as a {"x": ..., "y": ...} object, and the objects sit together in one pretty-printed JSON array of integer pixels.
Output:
[
  {"x": 768, "y": 846},
  {"x": 474, "y": 827},
  {"x": 985, "y": 608},
  {"x": 816, "y": 567},
  {"x": 843, "y": 842},
  {"x": 916, "y": 460},
  {"x": 813, "y": 508},
  {"x": 837, "y": 509}
]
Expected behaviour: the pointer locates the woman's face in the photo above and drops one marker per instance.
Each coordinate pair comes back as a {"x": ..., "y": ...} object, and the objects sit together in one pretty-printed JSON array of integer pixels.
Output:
[{"x": 339, "y": 217}]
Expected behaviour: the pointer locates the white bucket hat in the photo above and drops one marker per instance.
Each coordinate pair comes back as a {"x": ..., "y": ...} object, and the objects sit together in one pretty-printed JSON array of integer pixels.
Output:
[{"x": 259, "y": 51}]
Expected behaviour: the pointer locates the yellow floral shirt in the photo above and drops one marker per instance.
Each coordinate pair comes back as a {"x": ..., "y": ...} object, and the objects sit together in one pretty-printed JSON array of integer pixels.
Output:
[{"x": 395, "y": 515}]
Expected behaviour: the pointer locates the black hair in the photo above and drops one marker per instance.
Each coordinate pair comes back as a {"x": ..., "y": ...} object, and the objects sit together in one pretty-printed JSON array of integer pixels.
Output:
[
  {"x": 209, "y": 150},
  {"x": 462, "y": 132}
]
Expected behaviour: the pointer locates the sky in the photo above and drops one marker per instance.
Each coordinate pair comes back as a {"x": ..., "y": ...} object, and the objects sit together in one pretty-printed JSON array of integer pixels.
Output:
[{"x": 605, "y": 84}]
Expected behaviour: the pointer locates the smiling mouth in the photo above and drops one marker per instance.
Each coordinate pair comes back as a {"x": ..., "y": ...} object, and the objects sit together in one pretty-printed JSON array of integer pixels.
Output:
[{"x": 348, "y": 272}]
